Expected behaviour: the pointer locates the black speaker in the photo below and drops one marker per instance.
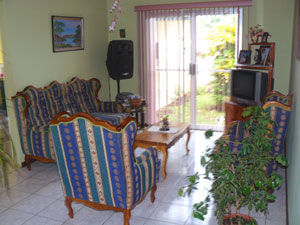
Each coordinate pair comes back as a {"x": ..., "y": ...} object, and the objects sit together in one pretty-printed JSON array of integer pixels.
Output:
[{"x": 119, "y": 60}]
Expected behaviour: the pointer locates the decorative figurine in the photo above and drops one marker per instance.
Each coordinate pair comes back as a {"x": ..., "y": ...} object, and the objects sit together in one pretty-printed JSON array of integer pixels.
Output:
[
  {"x": 265, "y": 36},
  {"x": 165, "y": 123}
]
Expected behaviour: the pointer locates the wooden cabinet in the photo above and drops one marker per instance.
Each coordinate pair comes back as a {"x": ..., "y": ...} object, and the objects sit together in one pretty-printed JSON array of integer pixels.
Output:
[{"x": 233, "y": 111}]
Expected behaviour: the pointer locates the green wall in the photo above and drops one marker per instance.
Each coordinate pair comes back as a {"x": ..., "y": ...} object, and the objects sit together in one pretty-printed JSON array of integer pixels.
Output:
[
  {"x": 293, "y": 141},
  {"x": 276, "y": 17},
  {"x": 27, "y": 46}
]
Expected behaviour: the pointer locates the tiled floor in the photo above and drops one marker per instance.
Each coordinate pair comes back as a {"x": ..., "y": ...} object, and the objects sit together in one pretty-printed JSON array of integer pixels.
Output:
[{"x": 35, "y": 197}]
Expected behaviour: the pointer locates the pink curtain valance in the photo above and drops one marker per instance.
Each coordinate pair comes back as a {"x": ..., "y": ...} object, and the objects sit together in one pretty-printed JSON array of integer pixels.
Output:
[{"x": 239, "y": 3}]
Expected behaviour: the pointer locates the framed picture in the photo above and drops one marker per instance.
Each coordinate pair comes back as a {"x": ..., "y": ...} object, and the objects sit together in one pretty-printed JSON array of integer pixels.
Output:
[
  {"x": 67, "y": 33},
  {"x": 245, "y": 57},
  {"x": 265, "y": 55}
]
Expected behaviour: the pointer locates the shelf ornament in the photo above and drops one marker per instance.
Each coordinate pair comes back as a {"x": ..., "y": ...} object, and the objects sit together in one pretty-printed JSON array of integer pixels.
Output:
[
  {"x": 255, "y": 32},
  {"x": 115, "y": 12}
]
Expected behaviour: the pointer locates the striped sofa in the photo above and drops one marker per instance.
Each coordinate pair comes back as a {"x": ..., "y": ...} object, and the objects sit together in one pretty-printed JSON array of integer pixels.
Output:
[
  {"x": 96, "y": 164},
  {"x": 35, "y": 107}
]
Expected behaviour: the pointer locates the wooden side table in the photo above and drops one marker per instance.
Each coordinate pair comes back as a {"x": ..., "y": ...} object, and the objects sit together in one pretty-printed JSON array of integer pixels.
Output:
[
  {"x": 138, "y": 112},
  {"x": 163, "y": 141}
]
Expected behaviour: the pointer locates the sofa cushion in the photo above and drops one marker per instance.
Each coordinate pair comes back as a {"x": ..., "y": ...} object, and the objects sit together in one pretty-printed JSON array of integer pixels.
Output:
[{"x": 113, "y": 118}]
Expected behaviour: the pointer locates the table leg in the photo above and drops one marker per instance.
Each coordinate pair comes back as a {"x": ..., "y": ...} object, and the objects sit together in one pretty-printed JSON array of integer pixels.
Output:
[
  {"x": 164, "y": 151},
  {"x": 187, "y": 140}
]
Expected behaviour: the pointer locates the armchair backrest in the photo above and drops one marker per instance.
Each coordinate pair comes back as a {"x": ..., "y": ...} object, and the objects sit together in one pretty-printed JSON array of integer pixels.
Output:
[
  {"x": 279, "y": 97},
  {"x": 95, "y": 160},
  {"x": 280, "y": 113}
]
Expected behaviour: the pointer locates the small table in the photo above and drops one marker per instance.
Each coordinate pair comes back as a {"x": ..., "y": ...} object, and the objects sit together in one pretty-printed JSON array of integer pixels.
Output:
[
  {"x": 162, "y": 141},
  {"x": 138, "y": 112}
]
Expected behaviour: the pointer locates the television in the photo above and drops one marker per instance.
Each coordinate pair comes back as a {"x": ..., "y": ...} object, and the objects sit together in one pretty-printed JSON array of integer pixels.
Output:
[{"x": 249, "y": 87}]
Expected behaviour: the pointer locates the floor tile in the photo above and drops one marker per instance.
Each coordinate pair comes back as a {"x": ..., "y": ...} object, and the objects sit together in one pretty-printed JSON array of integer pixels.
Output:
[
  {"x": 33, "y": 204},
  {"x": 13, "y": 217},
  {"x": 145, "y": 208},
  {"x": 210, "y": 219},
  {"x": 52, "y": 190},
  {"x": 58, "y": 211},
  {"x": 87, "y": 216},
  {"x": 31, "y": 185},
  {"x": 172, "y": 197},
  {"x": 38, "y": 220},
  {"x": 117, "y": 218},
  {"x": 49, "y": 174},
  {"x": 10, "y": 197},
  {"x": 156, "y": 222},
  {"x": 171, "y": 213}
]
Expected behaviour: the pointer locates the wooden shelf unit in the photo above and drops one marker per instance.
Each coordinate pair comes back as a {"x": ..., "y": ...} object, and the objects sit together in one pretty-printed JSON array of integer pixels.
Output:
[
  {"x": 269, "y": 68},
  {"x": 233, "y": 110}
]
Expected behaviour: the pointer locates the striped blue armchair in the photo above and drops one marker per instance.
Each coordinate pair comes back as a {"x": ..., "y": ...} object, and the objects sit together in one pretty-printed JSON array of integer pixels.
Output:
[
  {"x": 96, "y": 163},
  {"x": 280, "y": 113}
]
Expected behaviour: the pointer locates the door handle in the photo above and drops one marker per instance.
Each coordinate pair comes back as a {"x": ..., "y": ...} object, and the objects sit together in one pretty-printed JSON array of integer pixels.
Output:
[{"x": 192, "y": 69}]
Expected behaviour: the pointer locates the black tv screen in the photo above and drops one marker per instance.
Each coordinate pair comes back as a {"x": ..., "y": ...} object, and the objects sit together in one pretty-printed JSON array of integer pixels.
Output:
[{"x": 243, "y": 84}]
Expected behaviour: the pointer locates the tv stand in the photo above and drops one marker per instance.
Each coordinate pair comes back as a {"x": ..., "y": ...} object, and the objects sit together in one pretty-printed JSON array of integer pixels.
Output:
[{"x": 233, "y": 112}]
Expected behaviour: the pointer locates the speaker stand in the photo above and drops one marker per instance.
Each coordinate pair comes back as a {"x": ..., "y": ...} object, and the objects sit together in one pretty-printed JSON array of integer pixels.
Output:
[{"x": 118, "y": 83}]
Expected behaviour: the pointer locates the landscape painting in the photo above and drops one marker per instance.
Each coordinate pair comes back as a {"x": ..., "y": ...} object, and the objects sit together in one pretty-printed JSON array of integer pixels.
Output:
[{"x": 67, "y": 33}]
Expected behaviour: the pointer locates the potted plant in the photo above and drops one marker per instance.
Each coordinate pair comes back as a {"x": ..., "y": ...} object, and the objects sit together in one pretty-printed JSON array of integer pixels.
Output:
[{"x": 239, "y": 178}]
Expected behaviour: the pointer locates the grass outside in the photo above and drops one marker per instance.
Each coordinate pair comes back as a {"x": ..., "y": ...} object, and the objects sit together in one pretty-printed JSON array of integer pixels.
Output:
[{"x": 207, "y": 111}]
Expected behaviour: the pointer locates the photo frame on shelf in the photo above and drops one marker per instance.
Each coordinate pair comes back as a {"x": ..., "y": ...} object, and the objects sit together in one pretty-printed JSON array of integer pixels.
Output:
[
  {"x": 245, "y": 57},
  {"x": 264, "y": 55},
  {"x": 67, "y": 33}
]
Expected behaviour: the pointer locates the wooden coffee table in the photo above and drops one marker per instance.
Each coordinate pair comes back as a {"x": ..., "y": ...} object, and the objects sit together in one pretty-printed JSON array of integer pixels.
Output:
[{"x": 162, "y": 141}]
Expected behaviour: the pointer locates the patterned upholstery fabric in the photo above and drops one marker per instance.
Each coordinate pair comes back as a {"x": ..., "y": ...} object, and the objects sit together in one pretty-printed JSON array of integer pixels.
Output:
[
  {"x": 279, "y": 97},
  {"x": 96, "y": 163},
  {"x": 113, "y": 118},
  {"x": 280, "y": 113},
  {"x": 35, "y": 107}
]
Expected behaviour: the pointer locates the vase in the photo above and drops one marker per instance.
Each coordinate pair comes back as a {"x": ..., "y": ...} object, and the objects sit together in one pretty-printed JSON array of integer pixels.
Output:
[{"x": 254, "y": 39}]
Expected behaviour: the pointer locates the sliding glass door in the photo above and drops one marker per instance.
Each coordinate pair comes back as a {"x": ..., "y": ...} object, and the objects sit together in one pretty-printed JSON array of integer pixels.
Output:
[
  {"x": 216, "y": 40},
  {"x": 191, "y": 53}
]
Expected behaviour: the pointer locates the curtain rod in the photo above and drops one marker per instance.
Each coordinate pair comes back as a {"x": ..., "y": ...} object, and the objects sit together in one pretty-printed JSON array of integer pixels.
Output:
[{"x": 194, "y": 5}]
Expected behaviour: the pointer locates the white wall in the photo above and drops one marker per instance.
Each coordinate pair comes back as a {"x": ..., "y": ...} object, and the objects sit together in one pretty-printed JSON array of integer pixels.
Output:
[{"x": 293, "y": 141}]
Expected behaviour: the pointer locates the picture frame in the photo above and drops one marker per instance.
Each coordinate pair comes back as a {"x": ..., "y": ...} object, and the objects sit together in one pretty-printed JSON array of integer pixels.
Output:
[
  {"x": 264, "y": 55},
  {"x": 67, "y": 33},
  {"x": 245, "y": 57}
]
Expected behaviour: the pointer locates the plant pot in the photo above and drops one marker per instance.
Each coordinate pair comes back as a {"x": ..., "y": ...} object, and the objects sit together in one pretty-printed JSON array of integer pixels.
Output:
[{"x": 246, "y": 218}]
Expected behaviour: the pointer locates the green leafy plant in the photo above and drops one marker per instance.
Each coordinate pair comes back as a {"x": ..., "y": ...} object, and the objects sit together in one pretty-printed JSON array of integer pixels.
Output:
[
  {"x": 239, "y": 178},
  {"x": 7, "y": 154}
]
